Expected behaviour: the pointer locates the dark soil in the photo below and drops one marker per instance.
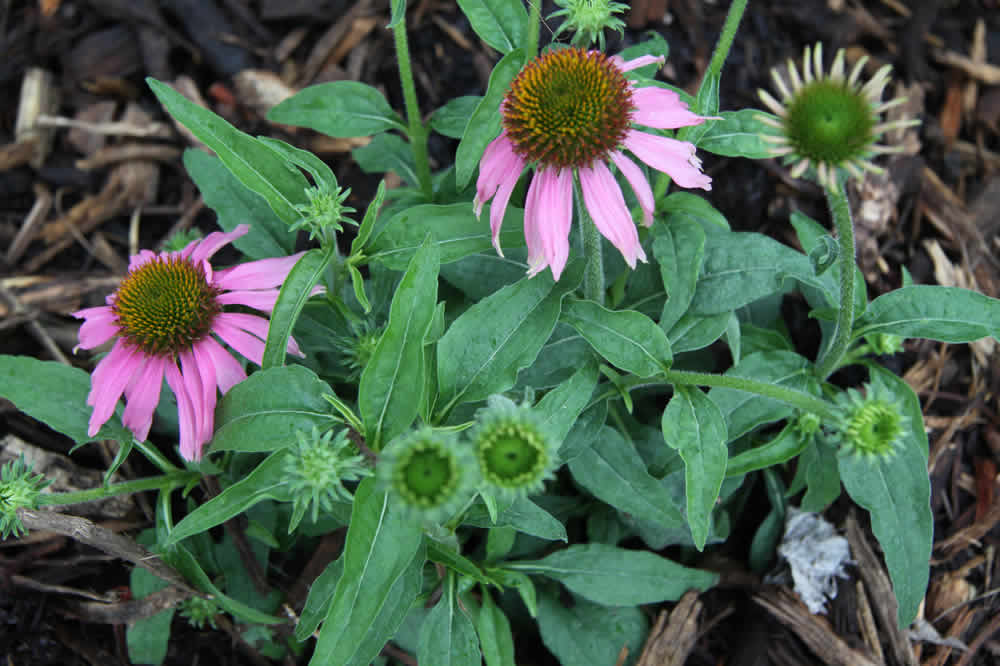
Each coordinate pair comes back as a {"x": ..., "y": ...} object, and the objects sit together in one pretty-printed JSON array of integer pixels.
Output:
[{"x": 67, "y": 211}]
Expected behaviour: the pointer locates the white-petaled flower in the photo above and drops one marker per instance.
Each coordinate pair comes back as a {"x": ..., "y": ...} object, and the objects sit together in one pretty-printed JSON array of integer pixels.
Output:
[{"x": 829, "y": 121}]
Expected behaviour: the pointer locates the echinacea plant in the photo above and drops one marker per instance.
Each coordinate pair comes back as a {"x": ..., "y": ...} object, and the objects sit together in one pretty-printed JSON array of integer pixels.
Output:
[{"x": 494, "y": 444}]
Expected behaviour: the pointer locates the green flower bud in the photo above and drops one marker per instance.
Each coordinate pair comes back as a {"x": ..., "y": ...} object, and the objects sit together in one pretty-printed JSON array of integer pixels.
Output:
[
  {"x": 872, "y": 425},
  {"x": 429, "y": 472},
  {"x": 19, "y": 489},
  {"x": 199, "y": 612},
  {"x": 317, "y": 470},
  {"x": 587, "y": 19},
  {"x": 516, "y": 454},
  {"x": 323, "y": 215},
  {"x": 181, "y": 240}
]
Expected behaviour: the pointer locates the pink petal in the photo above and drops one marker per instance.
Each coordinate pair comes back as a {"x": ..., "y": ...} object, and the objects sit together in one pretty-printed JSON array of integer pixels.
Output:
[
  {"x": 244, "y": 343},
  {"x": 548, "y": 214},
  {"x": 260, "y": 274},
  {"x": 97, "y": 329},
  {"x": 99, "y": 311},
  {"x": 196, "y": 366},
  {"x": 498, "y": 160},
  {"x": 108, "y": 382},
  {"x": 637, "y": 179},
  {"x": 672, "y": 157},
  {"x": 143, "y": 257},
  {"x": 202, "y": 250},
  {"x": 607, "y": 208},
  {"x": 185, "y": 413},
  {"x": 662, "y": 108},
  {"x": 258, "y": 299},
  {"x": 641, "y": 61},
  {"x": 228, "y": 371},
  {"x": 258, "y": 326},
  {"x": 142, "y": 394}
]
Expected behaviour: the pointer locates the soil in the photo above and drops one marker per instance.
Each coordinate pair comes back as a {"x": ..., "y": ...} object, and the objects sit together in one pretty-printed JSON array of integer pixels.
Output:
[{"x": 74, "y": 203}]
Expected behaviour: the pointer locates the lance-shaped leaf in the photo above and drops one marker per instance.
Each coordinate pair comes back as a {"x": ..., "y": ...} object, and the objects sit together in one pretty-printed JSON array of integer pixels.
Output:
[{"x": 627, "y": 339}]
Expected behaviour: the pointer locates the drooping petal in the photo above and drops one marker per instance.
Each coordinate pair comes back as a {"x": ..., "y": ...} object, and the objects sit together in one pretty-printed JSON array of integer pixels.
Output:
[
  {"x": 202, "y": 250},
  {"x": 258, "y": 299},
  {"x": 108, "y": 382},
  {"x": 674, "y": 158},
  {"x": 141, "y": 395},
  {"x": 198, "y": 366},
  {"x": 260, "y": 274},
  {"x": 548, "y": 214},
  {"x": 185, "y": 413},
  {"x": 607, "y": 208},
  {"x": 498, "y": 160},
  {"x": 247, "y": 345},
  {"x": 98, "y": 327},
  {"x": 662, "y": 108},
  {"x": 228, "y": 371},
  {"x": 640, "y": 186}
]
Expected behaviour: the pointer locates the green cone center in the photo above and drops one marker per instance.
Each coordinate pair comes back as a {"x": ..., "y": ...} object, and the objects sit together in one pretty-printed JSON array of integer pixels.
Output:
[
  {"x": 830, "y": 123},
  {"x": 428, "y": 475},
  {"x": 568, "y": 108},
  {"x": 512, "y": 456},
  {"x": 165, "y": 305}
]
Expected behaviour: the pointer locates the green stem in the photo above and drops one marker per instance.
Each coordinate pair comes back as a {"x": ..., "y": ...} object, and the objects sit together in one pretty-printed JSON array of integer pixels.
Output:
[
  {"x": 534, "y": 26},
  {"x": 840, "y": 211},
  {"x": 166, "y": 481},
  {"x": 714, "y": 72},
  {"x": 154, "y": 456},
  {"x": 593, "y": 276},
  {"x": 417, "y": 130},
  {"x": 790, "y": 396}
]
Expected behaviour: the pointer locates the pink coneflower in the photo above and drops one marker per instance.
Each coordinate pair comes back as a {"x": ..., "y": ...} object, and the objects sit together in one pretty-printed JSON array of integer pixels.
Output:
[
  {"x": 166, "y": 309},
  {"x": 571, "y": 111}
]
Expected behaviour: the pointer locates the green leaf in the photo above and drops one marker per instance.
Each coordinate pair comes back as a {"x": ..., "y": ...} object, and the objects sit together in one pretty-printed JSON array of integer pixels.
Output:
[
  {"x": 56, "y": 395},
  {"x": 484, "y": 348},
  {"x": 679, "y": 252},
  {"x": 779, "y": 449},
  {"x": 821, "y": 473},
  {"x": 148, "y": 638},
  {"x": 320, "y": 597},
  {"x": 320, "y": 171},
  {"x": 613, "y": 576},
  {"x": 685, "y": 204},
  {"x": 738, "y": 134},
  {"x": 397, "y": 15},
  {"x": 612, "y": 471},
  {"x": 452, "y": 118},
  {"x": 235, "y": 204},
  {"x": 626, "y": 338},
  {"x": 447, "y": 636},
  {"x": 584, "y": 431},
  {"x": 380, "y": 549},
  {"x": 295, "y": 291},
  {"x": 499, "y": 23},
  {"x": 368, "y": 223},
  {"x": 264, "y": 412},
  {"x": 446, "y": 555},
  {"x": 706, "y": 103},
  {"x": 495, "y": 638},
  {"x": 386, "y": 397},
  {"x": 768, "y": 536},
  {"x": 561, "y": 407},
  {"x": 742, "y": 267},
  {"x": 693, "y": 425},
  {"x": 947, "y": 314},
  {"x": 340, "y": 109},
  {"x": 484, "y": 124},
  {"x": 745, "y": 411},
  {"x": 258, "y": 166},
  {"x": 523, "y": 515},
  {"x": 453, "y": 228},
  {"x": 387, "y": 152},
  {"x": 896, "y": 492},
  {"x": 693, "y": 332},
  {"x": 267, "y": 481},
  {"x": 585, "y": 634}
]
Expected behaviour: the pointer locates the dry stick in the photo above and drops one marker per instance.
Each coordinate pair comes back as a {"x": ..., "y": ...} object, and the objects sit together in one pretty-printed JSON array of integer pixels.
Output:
[
  {"x": 130, "y": 611},
  {"x": 101, "y": 538},
  {"x": 34, "y": 327}
]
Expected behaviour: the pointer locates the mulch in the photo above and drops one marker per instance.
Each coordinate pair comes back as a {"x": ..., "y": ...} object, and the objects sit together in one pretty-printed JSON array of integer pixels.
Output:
[{"x": 90, "y": 172}]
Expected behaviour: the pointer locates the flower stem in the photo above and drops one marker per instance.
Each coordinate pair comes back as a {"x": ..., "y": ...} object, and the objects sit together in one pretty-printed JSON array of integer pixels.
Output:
[
  {"x": 593, "y": 276},
  {"x": 164, "y": 482},
  {"x": 790, "y": 396},
  {"x": 417, "y": 130},
  {"x": 840, "y": 211},
  {"x": 154, "y": 456},
  {"x": 534, "y": 26}
]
